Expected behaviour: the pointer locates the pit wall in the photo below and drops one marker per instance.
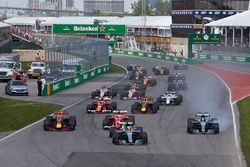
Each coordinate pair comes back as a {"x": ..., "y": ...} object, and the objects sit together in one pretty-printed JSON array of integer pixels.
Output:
[{"x": 70, "y": 82}]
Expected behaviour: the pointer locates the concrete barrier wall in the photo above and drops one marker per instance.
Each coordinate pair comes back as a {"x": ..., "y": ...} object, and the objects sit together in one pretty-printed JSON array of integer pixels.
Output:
[
  {"x": 155, "y": 56},
  {"x": 225, "y": 58}
]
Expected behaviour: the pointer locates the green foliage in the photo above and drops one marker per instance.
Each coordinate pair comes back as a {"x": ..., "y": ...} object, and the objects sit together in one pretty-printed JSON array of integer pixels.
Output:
[
  {"x": 163, "y": 7},
  {"x": 16, "y": 114},
  {"x": 116, "y": 69},
  {"x": 137, "y": 8},
  {"x": 26, "y": 65},
  {"x": 244, "y": 109}
]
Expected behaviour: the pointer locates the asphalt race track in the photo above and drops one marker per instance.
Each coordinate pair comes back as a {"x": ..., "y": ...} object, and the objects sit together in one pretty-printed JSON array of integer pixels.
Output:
[{"x": 169, "y": 144}]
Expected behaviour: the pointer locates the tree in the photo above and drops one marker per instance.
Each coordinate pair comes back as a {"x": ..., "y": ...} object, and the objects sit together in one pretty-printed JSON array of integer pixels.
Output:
[
  {"x": 163, "y": 7},
  {"x": 137, "y": 8}
]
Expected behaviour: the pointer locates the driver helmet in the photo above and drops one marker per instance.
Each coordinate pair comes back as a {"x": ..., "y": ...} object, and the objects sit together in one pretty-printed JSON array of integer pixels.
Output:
[{"x": 203, "y": 118}]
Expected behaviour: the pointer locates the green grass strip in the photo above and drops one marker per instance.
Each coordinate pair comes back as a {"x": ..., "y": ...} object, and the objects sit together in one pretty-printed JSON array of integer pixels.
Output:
[
  {"x": 16, "y": 114},
  {"x": 116, "y": 69},
  {"x": 244, "y": 109}
]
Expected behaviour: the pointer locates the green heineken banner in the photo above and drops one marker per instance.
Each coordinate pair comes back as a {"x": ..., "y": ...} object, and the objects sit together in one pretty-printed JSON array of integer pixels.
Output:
[{"x": 88, "y": 29}]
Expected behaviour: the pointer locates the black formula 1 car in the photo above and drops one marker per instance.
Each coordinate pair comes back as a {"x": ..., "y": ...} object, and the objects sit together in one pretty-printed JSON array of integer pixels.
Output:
[
  {"x": 181, "y": 66},
  {"x": 135, "y": 75},
  {"x": 146, "y": 105},
  {"x": 122, "y": 125},
  {"x": 138, "y": 68},
  {"x": 131, "y": 94},
  {"x": 177, "y": 85},
  {"x": 160, "y": 70},
  {"x": 103, "y": 92},
  {"x": 169, "y": 98},
  {"x": 101, "y": 106},
  {"x": 176, "y": 76},
  {"x": 130, "y": 136},
  {"x": 118, "y": 118},
  {"x": 202, "y": 123},
  {"x": 59, "y": 121}
]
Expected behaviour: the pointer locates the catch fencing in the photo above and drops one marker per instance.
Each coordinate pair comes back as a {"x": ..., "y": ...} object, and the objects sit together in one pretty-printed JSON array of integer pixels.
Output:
[{"x": 63, "y": 54}]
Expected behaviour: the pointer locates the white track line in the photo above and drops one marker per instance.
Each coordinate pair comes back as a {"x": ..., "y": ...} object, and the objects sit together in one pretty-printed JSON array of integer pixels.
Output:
[
  {"x": 233, "y": 114},
  {"x": 65, "y": 108}
]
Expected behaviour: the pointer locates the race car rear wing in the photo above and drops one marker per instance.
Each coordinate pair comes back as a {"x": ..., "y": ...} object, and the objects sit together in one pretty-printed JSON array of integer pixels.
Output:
[
  {"x": 126, "y": 123},
  {"x": 120, "y": 112},
  {"x": 205, "y": 114}
]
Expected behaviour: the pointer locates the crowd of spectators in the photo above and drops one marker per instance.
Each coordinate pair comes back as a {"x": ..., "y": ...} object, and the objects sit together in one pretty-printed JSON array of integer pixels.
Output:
[{"x": 27, "y": 33}]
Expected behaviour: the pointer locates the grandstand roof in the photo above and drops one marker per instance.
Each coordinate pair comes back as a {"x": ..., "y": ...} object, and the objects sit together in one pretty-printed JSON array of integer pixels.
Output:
[
  {"x": 238, "y": 20},
  {"x": 130, "y": 21},
  {"x": 25, "y": 20},
  {"x": 151, "y": 21},
  {"x": 77, "y": 20},
  {"x": 3, "y": 25}
]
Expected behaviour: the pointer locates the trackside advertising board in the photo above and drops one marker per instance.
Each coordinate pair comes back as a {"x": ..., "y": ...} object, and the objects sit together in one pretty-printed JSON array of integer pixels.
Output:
[
  {"x": 88, "y": 29},
  {"x": 70, "y": 82}
]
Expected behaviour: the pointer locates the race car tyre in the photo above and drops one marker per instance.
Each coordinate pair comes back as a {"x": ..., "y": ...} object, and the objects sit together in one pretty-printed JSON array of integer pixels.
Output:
[
  {"x": 122, "y": 95},
  {"x": 72, "y": 122},
  {"x": 115, "y": 139},
  {"x": 105, "y": 122},
  {"x": 159, "y": 100},
  {"x": 93, "y": 95},
  {"x": 153, "y": 82},
  {"x": 129, "y": 68},
  {"x": 154, "y": 69},
  {"x": 157, "y": 72},
  {"x": 46, "y": 124},
  {"x": 142, "y": 94},
  {"x": 131, "y": 118},
  {"x": 111, "y": 132},
  {"x": 140, "y": 129},
  {"x": 114, "y": 93},
  {"x": 89, "y": 107},
  {"x": 114, "y": 105},
  {"x": 155, "y": 107},
  {"x": 144, "y": 138},
  {"x": 216, "y": 128},
  {"x": 133, "y": 108},
  {"x": 180, "y": 98},
  {"x": 110, "y": 107},
  {"x": 190, "y": 125},
  {"x": 166, "y": 72}
]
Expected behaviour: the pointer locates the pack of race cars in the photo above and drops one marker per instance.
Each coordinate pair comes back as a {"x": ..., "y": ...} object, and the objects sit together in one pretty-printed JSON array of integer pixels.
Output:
[{"x": 120, "y": 124}]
